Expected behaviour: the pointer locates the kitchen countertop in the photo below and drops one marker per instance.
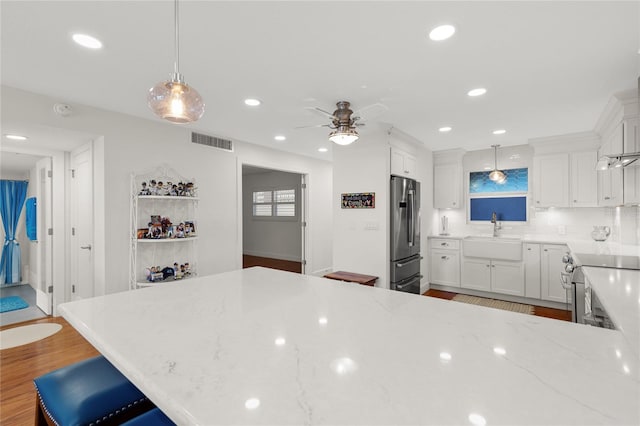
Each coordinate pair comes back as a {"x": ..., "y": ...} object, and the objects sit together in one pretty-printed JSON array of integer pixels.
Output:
[{"x": 259, "y": 346}]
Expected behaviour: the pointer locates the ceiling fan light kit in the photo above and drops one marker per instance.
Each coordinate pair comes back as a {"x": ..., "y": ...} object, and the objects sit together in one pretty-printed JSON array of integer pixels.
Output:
[
  {"x": 344, "y": 135},
  {"x": 174, "y": 100},
  {"x": 497, "y": 176}
]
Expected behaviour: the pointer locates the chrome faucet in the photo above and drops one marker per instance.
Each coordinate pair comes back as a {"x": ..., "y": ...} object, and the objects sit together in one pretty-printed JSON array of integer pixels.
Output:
[{"x": 496, "y": 225}]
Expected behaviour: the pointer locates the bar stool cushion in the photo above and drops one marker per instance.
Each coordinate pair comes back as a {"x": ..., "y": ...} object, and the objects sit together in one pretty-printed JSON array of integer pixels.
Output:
[
  {"x": 88, "y": 392},
  {"x": 153, "y": 417}
]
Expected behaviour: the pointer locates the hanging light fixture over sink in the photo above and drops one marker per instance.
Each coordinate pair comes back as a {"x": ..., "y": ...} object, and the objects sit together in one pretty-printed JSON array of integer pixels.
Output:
[
  {"x": 496, "y": 175},
  {"x": 174, "y": 100}
]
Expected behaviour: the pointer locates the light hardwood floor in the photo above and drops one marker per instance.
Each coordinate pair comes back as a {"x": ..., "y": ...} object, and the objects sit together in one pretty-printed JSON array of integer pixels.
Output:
[{"x": 20, "y": 365}]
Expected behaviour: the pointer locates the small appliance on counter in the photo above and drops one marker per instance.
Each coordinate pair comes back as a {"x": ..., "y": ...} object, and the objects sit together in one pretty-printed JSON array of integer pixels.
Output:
[
  {"x": 405, "y": 235},
  {"x": 600, "y": 233}
]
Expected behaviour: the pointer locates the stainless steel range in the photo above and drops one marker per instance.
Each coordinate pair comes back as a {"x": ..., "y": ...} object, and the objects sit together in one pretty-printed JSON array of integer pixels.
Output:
[{"x": 585, "y": 305}]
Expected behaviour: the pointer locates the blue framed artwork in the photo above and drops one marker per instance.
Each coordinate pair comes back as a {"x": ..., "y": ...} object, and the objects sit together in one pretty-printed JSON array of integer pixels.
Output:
[
  {"x": 508, "y": 209},
  {"x": 517, "y": 181}
]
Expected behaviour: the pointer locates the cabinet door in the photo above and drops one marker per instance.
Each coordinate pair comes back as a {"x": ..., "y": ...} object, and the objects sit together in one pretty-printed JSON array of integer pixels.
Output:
[
  {"x": 551, "y": 180},
  {"x": 402, "y": 163},
  {"x": 447, "y": 186},
  {"x": 445, "y": 267},
  {"x": 552, "y": 266},
  {"x": 507, "y": 277},
  {"x": 584, "y": 179},
  {"x": 632, "y": 172},
  {"x": 532, "y": 270},
  {"x": 610, "y": 189},
  {"x": 476, "y": 274}
]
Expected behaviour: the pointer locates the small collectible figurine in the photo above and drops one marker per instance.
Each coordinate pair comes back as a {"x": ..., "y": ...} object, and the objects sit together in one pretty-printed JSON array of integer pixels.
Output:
[
  {"x": 144, "y": 190},
  {"x": 180, "y": 231},
  {"x": 152, "y": 187},
  {"x": 150, "y": 231},
  {"x": 187, "y": 269},
  {"x": 174, "y": 190},
  {"x": 189, "y": 190},
  {"x": 160, "y": 188}
]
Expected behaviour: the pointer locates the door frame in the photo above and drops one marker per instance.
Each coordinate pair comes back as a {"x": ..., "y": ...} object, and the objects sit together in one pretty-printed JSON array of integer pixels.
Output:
[
  {"x": 44, "y": 215},
  {"x": 59, "y": 184},
  {"x": 305, "y": 252}
]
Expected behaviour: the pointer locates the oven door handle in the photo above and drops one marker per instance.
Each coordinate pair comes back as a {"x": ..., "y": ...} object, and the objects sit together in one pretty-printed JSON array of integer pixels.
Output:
[{"x": 564, "y": 280}]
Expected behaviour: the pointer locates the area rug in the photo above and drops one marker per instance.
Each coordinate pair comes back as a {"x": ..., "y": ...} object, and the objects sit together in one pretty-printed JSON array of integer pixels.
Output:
[
  {"x": 12, "y": 303},
  {"x": 492, "y": 303},
  {"x": 18, "y": 336}
]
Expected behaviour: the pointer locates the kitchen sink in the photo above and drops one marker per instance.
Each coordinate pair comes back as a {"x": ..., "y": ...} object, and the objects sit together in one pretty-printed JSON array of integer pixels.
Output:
[{"x": 503, "y": 247}]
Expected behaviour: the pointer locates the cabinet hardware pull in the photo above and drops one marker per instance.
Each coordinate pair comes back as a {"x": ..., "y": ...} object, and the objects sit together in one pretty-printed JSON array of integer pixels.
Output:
[
  {"x": 538, "y": 202},
  {"x": 575, "y": 201},
  {"x": 546, "y": 250},
  {"x": 529, "y": 249},
  {"x": 444, "y": 244},
  {"x": 454, "y": 203},
  {"x": 607, "y": 198},
  {"x": 487, "y": 266},
  {"x": 445, "y": 257}
]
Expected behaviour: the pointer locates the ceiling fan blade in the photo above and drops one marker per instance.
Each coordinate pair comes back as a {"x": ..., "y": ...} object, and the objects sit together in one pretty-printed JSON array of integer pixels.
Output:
[
  {"x": 370, "y": 111},
  {"x": 313, "y": 125},
  {"x": 321, "y": 112}
]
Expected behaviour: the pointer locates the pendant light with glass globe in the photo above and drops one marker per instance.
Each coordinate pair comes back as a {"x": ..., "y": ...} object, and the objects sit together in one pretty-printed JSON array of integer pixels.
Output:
[
  {"x": 174, "y": 100},
  {"x": 496, "y": 175}
]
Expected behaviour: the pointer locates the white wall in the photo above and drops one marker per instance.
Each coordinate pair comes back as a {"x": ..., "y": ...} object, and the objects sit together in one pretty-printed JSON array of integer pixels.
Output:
[
  {"x": 132, "y": 144},
  {"x": 21, "y": 231},
  {"x": 364, "y": 166},
  {"x": 277, "y": 238}
]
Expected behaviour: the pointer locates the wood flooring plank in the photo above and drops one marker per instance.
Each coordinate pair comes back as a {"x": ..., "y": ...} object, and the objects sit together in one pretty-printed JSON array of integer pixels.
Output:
[
  {"x": 20, "y": 365},
  {"x": 283, "y": 265}
]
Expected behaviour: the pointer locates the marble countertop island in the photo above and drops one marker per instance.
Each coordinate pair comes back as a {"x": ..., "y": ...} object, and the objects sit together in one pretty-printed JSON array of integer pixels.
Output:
[{"x": 259, "y": 346}]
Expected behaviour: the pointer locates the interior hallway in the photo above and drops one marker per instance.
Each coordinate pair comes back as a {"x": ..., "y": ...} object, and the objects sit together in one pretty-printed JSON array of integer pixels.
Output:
[{"x": 30, "y": 313}]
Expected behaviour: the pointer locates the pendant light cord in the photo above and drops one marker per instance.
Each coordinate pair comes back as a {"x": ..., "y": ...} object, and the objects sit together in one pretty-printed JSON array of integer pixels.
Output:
[{"x": 176, "y": 64}]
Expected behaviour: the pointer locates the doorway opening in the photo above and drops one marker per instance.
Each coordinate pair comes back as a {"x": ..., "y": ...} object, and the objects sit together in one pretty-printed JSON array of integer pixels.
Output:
[{"x": 273, "y": 219}]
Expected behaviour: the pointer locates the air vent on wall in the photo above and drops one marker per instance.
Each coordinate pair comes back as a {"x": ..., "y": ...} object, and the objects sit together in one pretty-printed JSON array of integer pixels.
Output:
[{"x": 219, "y": 143}]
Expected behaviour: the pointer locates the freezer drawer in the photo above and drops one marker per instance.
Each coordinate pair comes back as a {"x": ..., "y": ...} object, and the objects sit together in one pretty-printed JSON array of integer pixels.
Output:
[
  {"x": 405, "y": 268},
  {"x": 410, "y": 285}
]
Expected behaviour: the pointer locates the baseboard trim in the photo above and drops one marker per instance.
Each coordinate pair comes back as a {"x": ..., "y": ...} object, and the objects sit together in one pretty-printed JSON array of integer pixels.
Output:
[{"x": 500, "y": 296}]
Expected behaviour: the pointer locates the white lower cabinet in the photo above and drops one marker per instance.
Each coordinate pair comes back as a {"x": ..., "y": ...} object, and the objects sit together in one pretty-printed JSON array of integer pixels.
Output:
[
  {"x": 476, "y": 274},
  {"x": 497, "y": 276},
  {"x": 445, "y": 267},
  {"x": 550, "y": 268},
  {"x": 507, "y": 277},
  {"x": 532, "y": 270}
]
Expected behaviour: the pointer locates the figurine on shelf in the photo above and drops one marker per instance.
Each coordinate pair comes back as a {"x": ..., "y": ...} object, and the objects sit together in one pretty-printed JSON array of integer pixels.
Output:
[
  {"x": 180, "y": 231},
  {"x": 160, "y": 188},
  {"x": 167, "y": 272},
  {"x": 187, "y": 269},
  {"x": 174, "y": 190},
  {"x": 144, "y": 190},
  {"x": 179, "y": 273},
  {"x": 152, "y": 187}
]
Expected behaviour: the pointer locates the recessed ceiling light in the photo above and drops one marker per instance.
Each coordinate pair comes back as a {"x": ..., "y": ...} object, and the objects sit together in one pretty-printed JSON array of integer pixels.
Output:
[
  {"x": 442, "y": 32},
  {"x": 322, "y": 150},
  {"x": 477, "y": 92},
  {"x": 87, "y": 41},
  {"x": 16, "y": 137},
  {"x": 499, "y": 132},
  {"x": 252, "y": 102},
  {"x": 444, "y": 129},
  {"x": 280, "y": 137}
]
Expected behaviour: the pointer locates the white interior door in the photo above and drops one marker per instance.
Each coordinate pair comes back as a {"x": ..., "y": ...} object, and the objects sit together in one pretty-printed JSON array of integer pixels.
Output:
[
  {"x": 44, "y": 223},
  {"x": 303, "y": 220},
  {"x": 81, "y": 188}
]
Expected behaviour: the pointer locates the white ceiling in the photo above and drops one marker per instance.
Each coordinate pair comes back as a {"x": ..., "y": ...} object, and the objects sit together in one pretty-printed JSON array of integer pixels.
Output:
[{"x": 549, "y": 67}]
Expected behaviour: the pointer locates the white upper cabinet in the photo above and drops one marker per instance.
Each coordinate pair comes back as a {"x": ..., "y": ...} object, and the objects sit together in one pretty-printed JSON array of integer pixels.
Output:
[
  {"x": 631, "y": 173},
  {"x": 551, "y": 180},
  {"x": 584, "y": 179},
  {"x": 610, "y": 191},
  {"x": 447, "y": 186},
  {"x": 403, "y": 163}
]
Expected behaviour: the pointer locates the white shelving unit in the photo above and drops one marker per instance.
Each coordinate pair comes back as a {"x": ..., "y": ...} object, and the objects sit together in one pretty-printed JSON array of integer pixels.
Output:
[{"x": 165, "y": 249}]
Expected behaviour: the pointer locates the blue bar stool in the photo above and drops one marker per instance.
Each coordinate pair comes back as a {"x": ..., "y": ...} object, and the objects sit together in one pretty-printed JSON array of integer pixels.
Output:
[
  {"x": 154, "y": 417},
  {"x": 90, "y": 392}
]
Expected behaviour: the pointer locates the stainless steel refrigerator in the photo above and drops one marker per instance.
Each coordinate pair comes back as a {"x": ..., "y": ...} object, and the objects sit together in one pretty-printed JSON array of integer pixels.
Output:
[{"x": 405, "y": 235}]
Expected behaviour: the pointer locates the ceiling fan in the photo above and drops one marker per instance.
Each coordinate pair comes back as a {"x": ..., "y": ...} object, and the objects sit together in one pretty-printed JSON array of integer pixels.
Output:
[{"x": 344, "y": 121}]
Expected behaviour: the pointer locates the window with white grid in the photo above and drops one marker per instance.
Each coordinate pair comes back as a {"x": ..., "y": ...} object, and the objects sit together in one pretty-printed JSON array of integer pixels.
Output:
[{"x": 276, "y": 203}]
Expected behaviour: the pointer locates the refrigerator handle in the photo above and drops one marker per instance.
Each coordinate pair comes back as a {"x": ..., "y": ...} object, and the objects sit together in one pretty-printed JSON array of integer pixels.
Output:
[{"x": 410, "y": 217}]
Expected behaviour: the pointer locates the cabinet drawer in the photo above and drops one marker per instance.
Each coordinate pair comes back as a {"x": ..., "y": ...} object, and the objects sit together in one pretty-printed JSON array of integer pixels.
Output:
[{"x": 445, "y": 243}]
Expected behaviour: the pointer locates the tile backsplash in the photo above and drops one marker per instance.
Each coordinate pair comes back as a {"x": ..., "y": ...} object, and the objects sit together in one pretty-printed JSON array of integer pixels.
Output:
[{"x": 576, "y": 223}]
